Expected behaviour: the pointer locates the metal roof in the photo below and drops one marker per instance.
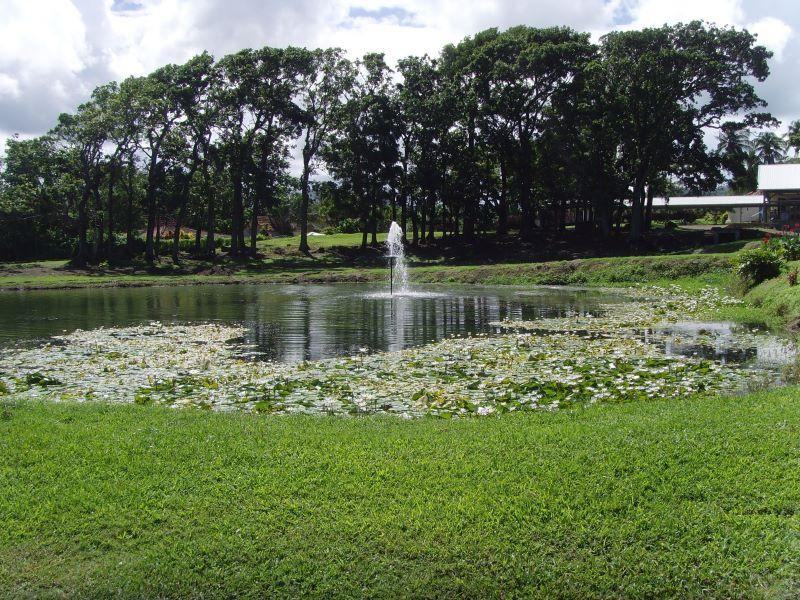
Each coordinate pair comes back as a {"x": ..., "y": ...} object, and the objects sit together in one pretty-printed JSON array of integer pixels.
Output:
[
  {"x": 708, "y": 201},
  {"x": 773, "y": 178}
]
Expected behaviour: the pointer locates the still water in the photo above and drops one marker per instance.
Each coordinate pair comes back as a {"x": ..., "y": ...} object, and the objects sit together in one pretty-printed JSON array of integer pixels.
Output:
[{"x": 292, "y": 322}]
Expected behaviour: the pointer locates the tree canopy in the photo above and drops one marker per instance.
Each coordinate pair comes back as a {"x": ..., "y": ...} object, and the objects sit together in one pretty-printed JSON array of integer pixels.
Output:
[{"x": 516, "y": 130}]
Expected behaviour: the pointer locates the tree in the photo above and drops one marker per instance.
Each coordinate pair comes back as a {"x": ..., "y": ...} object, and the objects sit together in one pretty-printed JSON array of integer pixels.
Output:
[
  {"x": 770, "y": 148},
  {"x": 83, "y": 135},
  {"x": 735, "y": 149},
  {"x": 158, "y": 111},
  {"x": 665, "y": 87},
  {"x": 363, "y": 148},
  {"x": 793, "y": 137},
  {"x": 514, "y": 76},
  {"x": 39, "y": 193},
  {"x": 325, "y": 79}
]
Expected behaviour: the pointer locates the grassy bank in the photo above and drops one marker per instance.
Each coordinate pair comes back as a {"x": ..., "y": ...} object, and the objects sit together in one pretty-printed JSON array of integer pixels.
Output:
[
  {"x": 593, "y": 271},
  {"x": 777, "y": 302},
  {"x": 688, "y": 499}
]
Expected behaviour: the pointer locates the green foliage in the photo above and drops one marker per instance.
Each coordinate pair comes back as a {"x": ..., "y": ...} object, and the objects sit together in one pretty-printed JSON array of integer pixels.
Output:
[
  {"x": 788, "y": 245},
  {"x": 39, "y": 379},
  {"x": 757, "y": 265},
  {"x": 347, "y": 225},
  {"x": 713, "y": 217},
  {"x": 500, "y": 123}
]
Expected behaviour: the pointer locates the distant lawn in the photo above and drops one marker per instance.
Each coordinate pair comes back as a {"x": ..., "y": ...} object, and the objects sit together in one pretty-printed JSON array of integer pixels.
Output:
[
  {"x": 682, "y": 499},
  {"x": 351, "y": 240},
  {"x": 701, "y": 269}
]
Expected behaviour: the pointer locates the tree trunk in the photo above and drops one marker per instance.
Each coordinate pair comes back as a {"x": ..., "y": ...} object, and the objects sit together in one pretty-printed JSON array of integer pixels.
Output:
[
  {"x": 150, "y": 253},
  {"x": 83, "y": 226},
  {"x": 236, "y": 207},
  {"x": 637, "y": 212},
  {"x": 98, "y": 236},
  {"x": 374, "y": 228},
  {"x": 208, "y": 192},
  {"x": 254, "y": 226},
  {"x": 304, "y": 248},
  {"x": 431, "y": 216},
  {"x": 179, "y": 219},
  {"x": 112, "y": 177},
  {"x": 423, "y": 220},
  {"x": 129, "y": 223},
  {"x": 502, "y": 205},
  {"x": 525, "y": 192},
  {"x": 211, "y": 242},
  {"x": 158, "y": 234},
  {"x": 414, "y": 228}
]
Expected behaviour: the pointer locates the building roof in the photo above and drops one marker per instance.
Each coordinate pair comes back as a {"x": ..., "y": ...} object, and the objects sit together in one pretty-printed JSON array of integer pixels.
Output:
[
  {"x": 708, "y": 201},
  {"x": 779, "y": 178}
]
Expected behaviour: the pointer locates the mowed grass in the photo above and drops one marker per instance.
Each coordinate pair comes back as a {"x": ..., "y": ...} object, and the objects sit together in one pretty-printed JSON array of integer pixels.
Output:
[
  {"x": 681, "y": 499},
  {"x": 702, "y": 269}
]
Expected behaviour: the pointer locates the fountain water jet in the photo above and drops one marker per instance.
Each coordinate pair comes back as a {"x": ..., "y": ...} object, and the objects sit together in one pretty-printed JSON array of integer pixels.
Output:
[{"x": 398, "y": 270}]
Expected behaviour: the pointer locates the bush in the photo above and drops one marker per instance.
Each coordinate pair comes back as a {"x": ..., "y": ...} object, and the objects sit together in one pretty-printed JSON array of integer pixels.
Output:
[
  {"x": 786, "y": 243},
  {"x": 348, "y": 226},
  {"x": 790, "y": 245},
  {"x": 759, "y": 264}
]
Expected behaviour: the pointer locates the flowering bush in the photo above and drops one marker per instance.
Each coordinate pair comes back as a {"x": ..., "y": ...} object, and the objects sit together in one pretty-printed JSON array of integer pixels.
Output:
[
  {"x": 754, "y": 266},
  {"x": 785, "y": 242}
]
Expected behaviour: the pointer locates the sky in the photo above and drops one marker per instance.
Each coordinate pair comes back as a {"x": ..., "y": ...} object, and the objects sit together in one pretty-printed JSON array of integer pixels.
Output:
[{"x": 54, "y": 52}]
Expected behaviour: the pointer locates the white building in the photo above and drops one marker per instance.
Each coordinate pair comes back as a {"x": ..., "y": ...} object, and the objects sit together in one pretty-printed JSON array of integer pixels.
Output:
[
  {"x": 741, "y": 209},
  {"x": 780, "y": 185},
  {"x": 776, "y": 203}
]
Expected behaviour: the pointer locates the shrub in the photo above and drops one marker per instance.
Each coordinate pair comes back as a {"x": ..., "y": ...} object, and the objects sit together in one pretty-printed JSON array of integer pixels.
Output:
[
  {"x": 759, "y": 264},
  {"x": 790, "y": 245},
  {"x": 786, "y": 242},
  {"x": 348, "y": 225}
]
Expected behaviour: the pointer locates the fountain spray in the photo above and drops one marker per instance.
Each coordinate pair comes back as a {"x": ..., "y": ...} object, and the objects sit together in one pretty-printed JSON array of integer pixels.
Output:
[{"x": 398, "y": 271}]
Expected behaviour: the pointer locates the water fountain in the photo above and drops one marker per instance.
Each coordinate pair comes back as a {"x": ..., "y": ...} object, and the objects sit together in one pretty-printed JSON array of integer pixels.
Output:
[{"x": 398, "y": 270}]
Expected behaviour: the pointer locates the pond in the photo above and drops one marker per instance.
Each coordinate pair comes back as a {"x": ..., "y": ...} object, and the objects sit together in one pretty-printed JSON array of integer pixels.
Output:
[
  {"x": 292, "y": 323},
  {"x": 353, "y": 349}
]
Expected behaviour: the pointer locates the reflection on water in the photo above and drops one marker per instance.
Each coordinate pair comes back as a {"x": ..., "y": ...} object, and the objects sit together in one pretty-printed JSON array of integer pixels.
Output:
[
  {"x": 292, "y": 322},
  {"x": 307, "y": 322},
  {"x": 727, "y": 343}
]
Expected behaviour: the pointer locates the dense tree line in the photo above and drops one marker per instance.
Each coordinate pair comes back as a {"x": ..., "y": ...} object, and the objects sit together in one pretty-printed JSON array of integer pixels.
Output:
[{"x": 524, "y": 129}]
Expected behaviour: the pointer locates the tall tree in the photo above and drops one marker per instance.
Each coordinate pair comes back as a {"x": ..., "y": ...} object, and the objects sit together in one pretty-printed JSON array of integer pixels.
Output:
[
  {"x": 158, "y": 113},
  {"x": 363, "y": 147},
  {"x": 83, "y": 135},
  {"x": 666, "y": 87},
  {"x": 514, "y": 76},
  {"x": 325, "y": 80},
  {"x": 770, "y": 148}
]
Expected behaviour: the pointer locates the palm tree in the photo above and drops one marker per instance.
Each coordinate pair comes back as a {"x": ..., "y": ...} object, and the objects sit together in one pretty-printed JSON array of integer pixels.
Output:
[
  {"x": 793, "y": 137},
  {"x": 770, "y": 148},
  {"x": 733, "y": 140},
  {"x": 737, "y": 155}
]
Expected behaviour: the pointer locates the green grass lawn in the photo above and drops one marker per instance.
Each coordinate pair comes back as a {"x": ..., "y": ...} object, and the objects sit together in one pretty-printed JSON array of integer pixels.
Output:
[
  {"x": 683, "y": 499},
  {"x": 704, "y": 268}
]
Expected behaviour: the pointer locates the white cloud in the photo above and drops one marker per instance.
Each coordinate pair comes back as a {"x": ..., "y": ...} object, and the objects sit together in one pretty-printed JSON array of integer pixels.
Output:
[
  {"x": 772, "y": 33},
  {"x": 653, "y": 13},
  {"x": 52, "y": 56},
  {"x": 9, "y": 86}
]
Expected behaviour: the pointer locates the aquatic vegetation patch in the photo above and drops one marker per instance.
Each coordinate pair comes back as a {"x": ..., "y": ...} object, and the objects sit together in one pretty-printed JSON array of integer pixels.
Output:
[
  {"x": 648, "y": 306},
  {"x": 577, "y": 360}
]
